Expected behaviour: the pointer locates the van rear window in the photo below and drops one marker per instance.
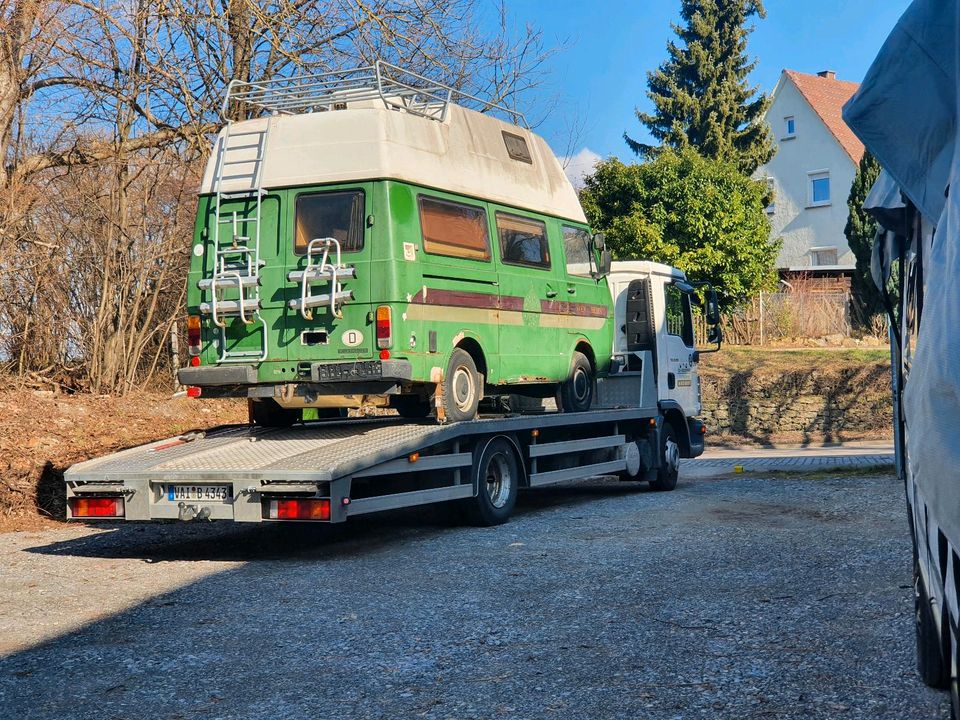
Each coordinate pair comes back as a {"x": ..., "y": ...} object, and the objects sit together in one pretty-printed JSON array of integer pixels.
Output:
[
  {"x": 523, "y": 241},
  {"x": 337, "y": 215},
  {"x": 453, "y": 229}
]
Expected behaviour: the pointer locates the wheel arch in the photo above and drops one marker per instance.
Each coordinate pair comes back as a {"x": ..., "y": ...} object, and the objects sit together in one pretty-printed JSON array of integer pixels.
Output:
[
  {"x": 583, "y": 346},
  {"x": 471, "y": 345},
  {"x": 673, "y": 414}
]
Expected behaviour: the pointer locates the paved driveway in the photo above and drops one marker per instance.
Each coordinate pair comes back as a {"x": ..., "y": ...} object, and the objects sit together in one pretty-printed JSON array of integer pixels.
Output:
[{"x": 743, "y": 597}]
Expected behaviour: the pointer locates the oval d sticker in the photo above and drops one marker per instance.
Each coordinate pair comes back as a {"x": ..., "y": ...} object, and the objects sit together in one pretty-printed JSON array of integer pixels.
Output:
[{"x": 352, "y": 338}]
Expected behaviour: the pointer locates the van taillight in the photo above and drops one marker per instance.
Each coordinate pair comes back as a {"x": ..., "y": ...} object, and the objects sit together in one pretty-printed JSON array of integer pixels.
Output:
[
  {"x": 384, "y": 327},
  {"x": 193, "y": 334}
]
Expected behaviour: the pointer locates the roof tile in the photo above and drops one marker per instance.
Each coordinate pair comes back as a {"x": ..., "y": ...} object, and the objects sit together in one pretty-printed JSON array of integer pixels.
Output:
[{"x": 827, "y": 97}]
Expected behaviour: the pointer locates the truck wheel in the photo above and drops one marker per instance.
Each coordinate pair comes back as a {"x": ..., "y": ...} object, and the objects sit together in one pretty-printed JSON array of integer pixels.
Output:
[
  {"x": 496, "y": 476},
  {"x": 269, "y": 413},
  {"x": 576, "y": 393},
  {"x": 932, "y": 663},
  {"x": 669, "y": 470},
  {"x": 462, "y": 387}
]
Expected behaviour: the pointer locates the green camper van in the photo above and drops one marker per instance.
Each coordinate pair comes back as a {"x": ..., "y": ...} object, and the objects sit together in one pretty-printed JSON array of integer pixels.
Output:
[{"x": 362, "y": 240}]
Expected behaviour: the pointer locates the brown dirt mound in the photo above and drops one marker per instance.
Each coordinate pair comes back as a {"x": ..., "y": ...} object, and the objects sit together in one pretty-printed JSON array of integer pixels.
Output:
[{"x": 42, "y": 434}]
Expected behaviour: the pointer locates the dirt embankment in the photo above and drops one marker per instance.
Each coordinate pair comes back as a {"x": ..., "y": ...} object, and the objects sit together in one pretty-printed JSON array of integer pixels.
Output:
[
  {"x": 783, "y": 396},
  {"x": 42, "y": 434}
]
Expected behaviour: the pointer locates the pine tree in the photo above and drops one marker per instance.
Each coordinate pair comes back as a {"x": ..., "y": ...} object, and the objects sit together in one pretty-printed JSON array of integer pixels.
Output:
[
  {"x": 861, "y": 230},
  {"x": 701, "y": 97}
]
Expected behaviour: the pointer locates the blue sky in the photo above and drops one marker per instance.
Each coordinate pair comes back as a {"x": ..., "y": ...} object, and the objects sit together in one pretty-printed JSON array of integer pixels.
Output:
[{"x": 612, "y": 44}]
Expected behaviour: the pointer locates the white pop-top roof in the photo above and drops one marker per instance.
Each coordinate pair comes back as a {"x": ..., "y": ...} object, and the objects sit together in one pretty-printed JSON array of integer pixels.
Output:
[{"x": 464, "y": 153}]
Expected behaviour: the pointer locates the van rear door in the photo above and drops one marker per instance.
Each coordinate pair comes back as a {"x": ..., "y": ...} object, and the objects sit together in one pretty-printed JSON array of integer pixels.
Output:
[{"x": 327, "y": 225}]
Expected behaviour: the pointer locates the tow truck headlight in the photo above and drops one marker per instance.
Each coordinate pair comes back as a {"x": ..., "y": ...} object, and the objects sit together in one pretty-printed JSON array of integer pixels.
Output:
[{"x": 101, "y": 507}]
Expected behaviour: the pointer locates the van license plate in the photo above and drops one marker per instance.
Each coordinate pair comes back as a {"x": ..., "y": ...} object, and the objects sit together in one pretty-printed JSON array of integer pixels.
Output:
[{"x": 210, "y": 493}]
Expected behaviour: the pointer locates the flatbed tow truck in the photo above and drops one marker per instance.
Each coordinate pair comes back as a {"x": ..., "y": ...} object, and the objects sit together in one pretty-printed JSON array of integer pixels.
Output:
[
  {"x": 328, "y": 471},
  {"x": 642, "y": 423},
  {"x": 429, "y": 308}
]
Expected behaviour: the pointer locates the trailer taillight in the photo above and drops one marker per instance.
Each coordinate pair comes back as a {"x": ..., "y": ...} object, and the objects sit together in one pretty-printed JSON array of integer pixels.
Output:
[
  {"x": 193, "y": 334},
  {"x": 298, "y": 509},
  {"x": 193, "y": 391},
  {"x": 384, "y": 327},
  {"x": 96, "y": 507}
]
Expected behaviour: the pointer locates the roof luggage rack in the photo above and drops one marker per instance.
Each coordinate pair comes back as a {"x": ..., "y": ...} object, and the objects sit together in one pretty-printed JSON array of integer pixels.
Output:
[{"x": 397, "y": 88}]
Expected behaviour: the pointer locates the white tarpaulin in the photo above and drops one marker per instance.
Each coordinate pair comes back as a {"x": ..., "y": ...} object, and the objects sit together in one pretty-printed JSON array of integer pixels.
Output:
[{"x": 906, "y": 114}]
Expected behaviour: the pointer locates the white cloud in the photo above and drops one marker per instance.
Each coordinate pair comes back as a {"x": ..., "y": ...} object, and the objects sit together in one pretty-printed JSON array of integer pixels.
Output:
[{"x": 579, "y": 165}]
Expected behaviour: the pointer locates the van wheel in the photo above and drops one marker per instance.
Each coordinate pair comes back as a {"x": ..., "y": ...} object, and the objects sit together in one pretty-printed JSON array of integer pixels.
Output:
[
  {"x": 269, "y": 413},
  {"x": 576, "y": 393},
  {"x": 669, "y": 471},
  {"x": 462, "y": 387},
  {"x": 411, "y": 407},
  {"x": 496, "y": 477}
]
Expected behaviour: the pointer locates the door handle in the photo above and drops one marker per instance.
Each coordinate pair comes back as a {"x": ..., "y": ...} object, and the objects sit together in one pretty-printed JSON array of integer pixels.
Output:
[
  {"x": 551, "y": 293},
  {"x": 572, "y": 290}
]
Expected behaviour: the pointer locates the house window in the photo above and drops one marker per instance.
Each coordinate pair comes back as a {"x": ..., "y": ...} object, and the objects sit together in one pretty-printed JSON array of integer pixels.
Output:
[
  {"x": 454, "y": 229},
  {"x": 790, "y": 125},
  {"x": 820, "y": 257},
  {"x": 771, "y": 195},
  {"x": 819, "y": 183}
]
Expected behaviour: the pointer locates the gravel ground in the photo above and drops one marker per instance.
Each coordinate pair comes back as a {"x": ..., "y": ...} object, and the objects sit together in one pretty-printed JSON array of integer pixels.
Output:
[{"x": 740, "y": 597}]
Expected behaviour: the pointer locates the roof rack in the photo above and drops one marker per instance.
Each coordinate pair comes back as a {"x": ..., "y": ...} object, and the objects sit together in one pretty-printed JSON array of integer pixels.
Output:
[{"x": 399, "y": 89}]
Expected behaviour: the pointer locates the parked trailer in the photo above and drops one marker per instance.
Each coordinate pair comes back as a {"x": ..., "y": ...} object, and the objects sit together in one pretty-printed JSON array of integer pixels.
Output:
[{"x": 328, "y": 471}]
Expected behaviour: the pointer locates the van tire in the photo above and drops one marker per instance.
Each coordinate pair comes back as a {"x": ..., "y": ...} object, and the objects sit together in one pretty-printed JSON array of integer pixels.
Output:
[
  {"x": 496, "y": 478},
  {"x": 268, "y": 413},
  {"x": 576, "y": 392},
  {"x": 669, "y": 471},
  {"x": 411, "y": 407},
  {"x": 462, "y": 387}
]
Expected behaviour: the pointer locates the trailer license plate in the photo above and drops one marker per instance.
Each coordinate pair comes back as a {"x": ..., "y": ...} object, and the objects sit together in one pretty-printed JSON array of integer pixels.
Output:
[{"x": 210, "y": 493}]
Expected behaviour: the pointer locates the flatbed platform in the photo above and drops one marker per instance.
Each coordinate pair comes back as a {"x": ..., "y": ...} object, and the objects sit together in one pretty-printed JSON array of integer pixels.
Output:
[{"x": 330, "y": 470}]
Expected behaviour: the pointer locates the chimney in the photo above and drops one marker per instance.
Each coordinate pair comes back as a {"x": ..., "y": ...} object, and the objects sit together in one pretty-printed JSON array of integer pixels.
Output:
[{"x": 828, "y": 74}]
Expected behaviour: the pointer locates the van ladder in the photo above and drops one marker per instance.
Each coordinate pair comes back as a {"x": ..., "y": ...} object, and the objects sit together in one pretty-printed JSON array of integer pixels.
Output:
[
  {"x": 325, "y": 271},
  {"x": 237, "y": 263}
]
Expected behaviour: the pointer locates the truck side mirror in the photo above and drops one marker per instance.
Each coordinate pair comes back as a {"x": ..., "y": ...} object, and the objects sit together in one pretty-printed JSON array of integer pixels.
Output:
[
  {"x": 600, "y": 241},
  {"x": 605, "y": 260},
  {"x": 712, "y": 309},
  {"x": 715, "y": 335}
]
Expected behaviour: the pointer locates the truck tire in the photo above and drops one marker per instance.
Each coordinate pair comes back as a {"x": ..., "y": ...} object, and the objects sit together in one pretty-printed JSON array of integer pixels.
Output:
[
  {"x": 932, "y": 662},
  {"x": 576, "y": 392},
  {"x": 669, "y": 471},
  {"x": 268, "y": 413},
  {"x": 462, "y": 387},
  {"x": 496, "y": 476}
]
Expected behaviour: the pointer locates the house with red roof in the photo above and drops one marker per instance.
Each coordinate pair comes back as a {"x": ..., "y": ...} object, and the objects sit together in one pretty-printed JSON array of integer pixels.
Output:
[{"x": 811, "y": 174}]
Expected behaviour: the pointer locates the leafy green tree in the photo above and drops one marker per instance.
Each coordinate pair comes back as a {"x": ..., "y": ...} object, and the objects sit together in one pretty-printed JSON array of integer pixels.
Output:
[
  {"x": 860, "y": 231},
  {"x": 702, "y": 216},
  {"x": 700, "y": 94}
]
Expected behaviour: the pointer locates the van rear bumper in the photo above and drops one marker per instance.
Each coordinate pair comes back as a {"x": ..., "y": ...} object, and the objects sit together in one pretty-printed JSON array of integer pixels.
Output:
[{"x": 390, "y": 371}]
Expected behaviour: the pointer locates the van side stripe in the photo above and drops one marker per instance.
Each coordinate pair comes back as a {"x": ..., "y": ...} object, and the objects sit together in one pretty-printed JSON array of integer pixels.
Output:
[
  {"x": 487, "y": 301},
  {"x": 459, "y": 298},
  {"x": 560, "y": 307}
]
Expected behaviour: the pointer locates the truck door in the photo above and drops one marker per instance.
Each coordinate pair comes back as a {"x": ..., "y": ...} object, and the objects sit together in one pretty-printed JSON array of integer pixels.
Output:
[
  {"x": 321, "y": 331},
  {"x": 531, "y": 293},
  {"x": 679, "y": 379}
]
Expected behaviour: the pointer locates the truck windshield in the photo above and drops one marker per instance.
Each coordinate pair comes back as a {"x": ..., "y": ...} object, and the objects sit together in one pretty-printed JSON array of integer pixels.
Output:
[{"x": 337, "y": 215}]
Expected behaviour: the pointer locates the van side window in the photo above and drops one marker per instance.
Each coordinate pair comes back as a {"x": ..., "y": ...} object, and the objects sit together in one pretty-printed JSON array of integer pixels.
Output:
[
  {"x": 523, "y": 241},
  {"x": 453, "y": 229},
  {"x": 578, "y": 250},
  {"x": 337, "y": 215}
]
